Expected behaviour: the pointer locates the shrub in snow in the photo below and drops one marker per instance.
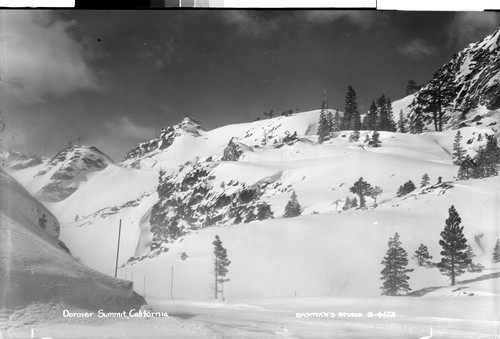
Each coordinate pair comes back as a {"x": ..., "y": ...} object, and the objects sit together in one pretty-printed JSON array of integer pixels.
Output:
[
  {"x": 406, "y": 188},
  {"x": 422, "y": 255},
  {"x": 264, "y": 211},
  {"x": 394, "y": 275}
]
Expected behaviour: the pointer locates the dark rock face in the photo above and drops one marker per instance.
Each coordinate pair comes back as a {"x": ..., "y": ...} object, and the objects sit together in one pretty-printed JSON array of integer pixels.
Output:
[
  {"x": 470, "y": 79},
  {"x": 189, "y": 200},
  {"x": 232, "y": 152}
]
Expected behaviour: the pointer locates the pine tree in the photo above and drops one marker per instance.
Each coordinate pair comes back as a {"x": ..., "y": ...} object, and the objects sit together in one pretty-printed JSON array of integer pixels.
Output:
[
  {"x": 496, "y": 251},
  {"x": 362, "y": 189},
  {"x": 370, "y": 119},
  {"x": 454, "y": 244},
  {"x": 351, "y": 109},
  {"x": 329, "y": 119},
  {"x": 336, "y": 122},
  {"x": 264, "y": 211},
  {"x": 458, "y": 151},
  {"x": 220, "y": 268},
  {"x": 375, "y": 140},
  {"x": 292, "y": 208},
  {"x": 417, "y": 121},
  {"x": 394, "y": 274},
  {"x": 487, "y": 159},
  {"x": 466, "y": 168},
  {"x": 323, "y": 130},
  {"x": 425, "y": 180},
  {"x": 422, "y": 255},
  {"x": 402, "y": 123},
  {"x": 412, "y": 87},
  {"x": 354, "y": 202},
  {"x": 385, "y": 118},
  {"x": 473, "y": 267}
]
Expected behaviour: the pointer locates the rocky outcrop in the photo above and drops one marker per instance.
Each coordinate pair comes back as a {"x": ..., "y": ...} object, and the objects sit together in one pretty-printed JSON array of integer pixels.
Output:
[
  {"x": 469, "y": 80},
  {"x": 68, "y": 168}
]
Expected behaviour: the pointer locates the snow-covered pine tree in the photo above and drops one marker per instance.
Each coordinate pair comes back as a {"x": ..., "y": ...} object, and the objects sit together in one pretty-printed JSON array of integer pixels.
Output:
[
  {"x": 292, "y": 208},
  {"x": 351, "y": 109},
  {"x": 329, "y": 119},
  {"x": 422, "y": 255},
  {"x": 496, "y": 251},
  {"x": 425, "y": 180},
  {"x": 394, "y": 274},
  {"x": 402, "y": 123},
  {"x": 455, "y": 259},
  {"x": 458, "y": 152},
  {"x": 336, "y": 122},
  {"x": 385, "y": 118},
  {"x": 362, "y": 189},
  {"x": 220, "y": 268}
]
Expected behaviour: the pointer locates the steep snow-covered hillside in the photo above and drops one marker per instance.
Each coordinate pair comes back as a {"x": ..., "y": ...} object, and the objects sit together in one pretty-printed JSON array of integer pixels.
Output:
[
  {"x": 35, "y": 267},
  {"x": 187, "y": 140},
  {"x": 464, "y": 90},
  {"x": 61, "y": 176}
]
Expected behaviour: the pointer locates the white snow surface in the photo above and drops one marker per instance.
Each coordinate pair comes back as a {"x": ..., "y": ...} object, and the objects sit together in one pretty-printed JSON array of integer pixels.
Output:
[{"x": 322, "y": 256}]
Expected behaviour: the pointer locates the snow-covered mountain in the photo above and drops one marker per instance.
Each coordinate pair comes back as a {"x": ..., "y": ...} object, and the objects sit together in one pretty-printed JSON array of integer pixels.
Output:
[
  {"x": 18, "y": 160},
  {"x": 36, "y": 267},
  {"x": 468, "y": 88},
  {"x": 62, "y": 175}
]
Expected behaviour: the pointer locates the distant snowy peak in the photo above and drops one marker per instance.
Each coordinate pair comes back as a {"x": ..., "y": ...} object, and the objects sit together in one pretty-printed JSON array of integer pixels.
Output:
[
  {"x": 68, "y": 168},
  {"x": 470, "y": 80},
  {"x": 17, "y": 160},
  {"x": 187, "y": 127}
]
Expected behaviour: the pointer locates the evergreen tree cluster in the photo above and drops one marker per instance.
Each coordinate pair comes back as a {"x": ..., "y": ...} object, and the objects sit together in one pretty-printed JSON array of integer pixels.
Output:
[
  {"x": 483, "y": 165},
  {"x": 457, "y": 257},
  {"x": 406, "y": 188},
  {"x": 327, "y": 123},
  {"x": 380, "y": 116}
]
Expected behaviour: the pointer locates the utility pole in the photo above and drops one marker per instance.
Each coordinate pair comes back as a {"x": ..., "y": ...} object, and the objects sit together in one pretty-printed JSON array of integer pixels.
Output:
[
  {"x": 118, "y": 247},
  {"x": 172, "y": 283}
]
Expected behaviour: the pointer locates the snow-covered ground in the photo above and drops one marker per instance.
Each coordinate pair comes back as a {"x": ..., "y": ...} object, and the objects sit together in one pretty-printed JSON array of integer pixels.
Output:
[{"x": 326, "y": 260}]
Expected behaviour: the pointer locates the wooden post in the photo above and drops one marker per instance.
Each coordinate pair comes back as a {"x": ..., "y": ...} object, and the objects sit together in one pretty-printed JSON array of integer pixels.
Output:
[
  {"x": 118, "y": 247},
  {"x": 144, "y": 287}
]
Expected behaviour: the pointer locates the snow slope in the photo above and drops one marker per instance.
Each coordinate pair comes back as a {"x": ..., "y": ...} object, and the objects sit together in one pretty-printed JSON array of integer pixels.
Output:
[{"x": 36, "y": 269}]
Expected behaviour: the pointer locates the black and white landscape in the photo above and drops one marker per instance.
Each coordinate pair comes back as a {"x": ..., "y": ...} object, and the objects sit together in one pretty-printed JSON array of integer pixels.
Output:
[{"x": 370, "y": 211}]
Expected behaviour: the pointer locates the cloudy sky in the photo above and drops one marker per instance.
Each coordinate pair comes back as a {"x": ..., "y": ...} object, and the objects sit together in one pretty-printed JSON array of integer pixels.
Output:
[{"x": 114, "y": 78}]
